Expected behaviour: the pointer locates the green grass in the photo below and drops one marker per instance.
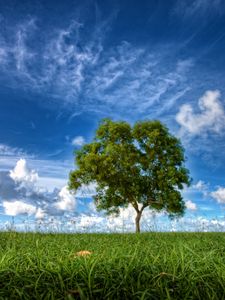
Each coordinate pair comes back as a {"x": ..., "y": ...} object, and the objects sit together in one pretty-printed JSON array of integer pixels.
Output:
[{"x": 122, "y": 266}]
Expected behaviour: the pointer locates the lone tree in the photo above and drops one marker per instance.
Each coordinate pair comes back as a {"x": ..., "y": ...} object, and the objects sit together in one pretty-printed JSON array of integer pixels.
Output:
[{"x": 141, "y": 165}]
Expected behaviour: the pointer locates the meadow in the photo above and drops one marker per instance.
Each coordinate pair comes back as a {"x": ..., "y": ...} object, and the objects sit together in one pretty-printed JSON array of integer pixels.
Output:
[{"x": 121, "y": 266}]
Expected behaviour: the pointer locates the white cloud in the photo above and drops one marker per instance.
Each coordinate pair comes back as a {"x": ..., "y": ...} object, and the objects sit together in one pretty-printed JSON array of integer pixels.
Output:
[
  {"x": 21, "y": 185},
  {"x": 219, "y": 195},
  {"x": 66, "y": 201},
  {"x": 96, "y": 223},
  {"x": 200, "y": 224},
  {"x": 93, "y": 221},
  {"x": 210, "y": 118},
  {"x": 50, "y": 183},
  {"x": 22, "y": 174},
  {"x": 3, "y": 56},
  {"x": 40, "y": 214},
  {"x": 139, "y": 84},
  {"x": 126, "y": 219},
  {"x": 16, "y": 56},
  {"x": 39, "y": 202},
  {"x": 200, "y": 185},
  {"x": 184, "y": 65},
  {"x": 21, "y": 52},
  {"x": 18, "y": 208},
  {"x": 6, "y": 150},
  {"x": 190, "y": 205},
  {"x": 66, "y": 61},
  {"x": 81, "y": 70},
  {"x": 206, "y": 208},
  {"x": 187, "y": 9},
  {"x": 78, "y": 141},
  {"x": 92, "y": 207}
]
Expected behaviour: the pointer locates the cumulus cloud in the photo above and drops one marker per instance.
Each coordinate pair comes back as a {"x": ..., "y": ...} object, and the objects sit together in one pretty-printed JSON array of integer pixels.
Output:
[
  {"x": 20, "y": 194},
  {"x": 93, "y": 221},
  {"x": 190, "y": 205},
  {"x": 211, "y": 116},
  {"x": 8, "y": 188},
  {"x": 78, "y": 141},
  {"x": 96, "y": 223},
  {"x": 40, "y": 213},
  {"x": 22, "y": 174},
  {"x": 126, "y": 219},
  {"x": 219, "y": 195},
  {"x": 66, "y": 200},
  {"x": 15, "y": 208},
  {"x": 60, "y": 203}
]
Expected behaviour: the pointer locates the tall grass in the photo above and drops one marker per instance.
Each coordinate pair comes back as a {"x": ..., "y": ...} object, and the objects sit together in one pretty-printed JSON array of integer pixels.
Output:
[{"x": 122, "y": 266}]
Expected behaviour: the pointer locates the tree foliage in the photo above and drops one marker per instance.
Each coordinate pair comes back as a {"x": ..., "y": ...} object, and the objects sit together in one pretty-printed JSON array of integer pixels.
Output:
[{"x": 141, "y": 165}]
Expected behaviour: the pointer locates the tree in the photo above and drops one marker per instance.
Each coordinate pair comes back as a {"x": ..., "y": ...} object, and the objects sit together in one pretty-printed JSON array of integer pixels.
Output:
[{"x": 141, "y": 165}]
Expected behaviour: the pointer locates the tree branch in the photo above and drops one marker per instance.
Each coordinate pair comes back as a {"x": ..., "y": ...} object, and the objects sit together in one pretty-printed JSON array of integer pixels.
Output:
[
  {"x": 143, "y": 207},
  {"x": 149, "y": 202},
  {"x": 135, "y": 206}
]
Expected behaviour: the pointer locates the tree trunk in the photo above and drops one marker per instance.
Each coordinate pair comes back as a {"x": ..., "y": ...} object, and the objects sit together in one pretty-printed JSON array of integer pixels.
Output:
[{"x": 137, "y": 221}]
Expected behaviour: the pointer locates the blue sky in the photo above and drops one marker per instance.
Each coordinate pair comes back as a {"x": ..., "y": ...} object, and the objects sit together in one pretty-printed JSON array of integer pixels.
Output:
[{"x": 66, "y": 65}]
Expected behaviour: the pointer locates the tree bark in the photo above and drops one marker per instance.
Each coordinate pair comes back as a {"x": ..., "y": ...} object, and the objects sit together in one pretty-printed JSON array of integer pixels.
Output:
[
  {"x": 138, "y": 216},
  {"x": 137, "y": 221}
]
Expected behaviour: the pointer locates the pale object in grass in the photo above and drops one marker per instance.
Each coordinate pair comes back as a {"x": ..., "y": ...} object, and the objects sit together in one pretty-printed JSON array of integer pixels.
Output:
[{"x": 83, "y": 253}]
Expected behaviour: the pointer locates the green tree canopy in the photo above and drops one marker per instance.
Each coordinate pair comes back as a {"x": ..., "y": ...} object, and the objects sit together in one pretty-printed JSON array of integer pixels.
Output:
[{"x": 141, "y": 165}]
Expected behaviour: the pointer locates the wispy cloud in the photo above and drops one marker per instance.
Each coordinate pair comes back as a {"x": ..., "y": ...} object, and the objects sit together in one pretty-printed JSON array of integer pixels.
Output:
[
  {"x": 133, "y": 79},
  {"x": 66, "y": 59},
  {"x": 3, "y": 56},
  {"x": 8, "y": 151},
  {"x": 22, "y": 53},
  {"x": 89, "y": 76},
  {"x": 187, "y": 9},
  {"x": 16, "y": 56}
]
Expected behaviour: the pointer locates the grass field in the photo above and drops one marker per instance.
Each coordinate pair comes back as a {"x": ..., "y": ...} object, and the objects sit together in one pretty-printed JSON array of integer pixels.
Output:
[{"x": 122, "y": 266}]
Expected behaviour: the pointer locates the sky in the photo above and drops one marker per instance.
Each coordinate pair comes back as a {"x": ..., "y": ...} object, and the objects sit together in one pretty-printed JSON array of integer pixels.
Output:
[{"x": 65, "y": 65}]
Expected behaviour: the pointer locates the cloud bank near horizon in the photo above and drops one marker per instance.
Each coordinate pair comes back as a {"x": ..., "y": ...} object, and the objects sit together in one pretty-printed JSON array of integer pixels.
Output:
[{"x": 22, "y": 196}]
